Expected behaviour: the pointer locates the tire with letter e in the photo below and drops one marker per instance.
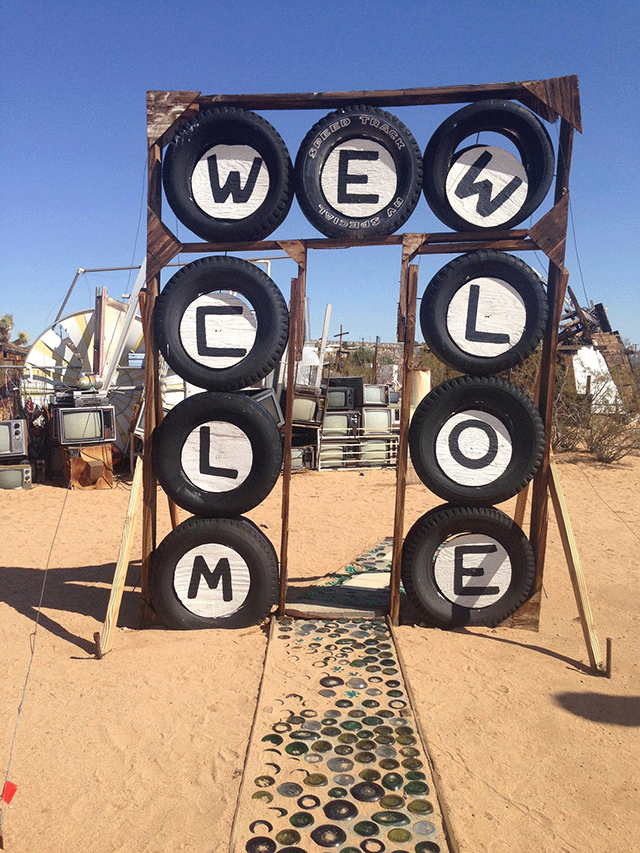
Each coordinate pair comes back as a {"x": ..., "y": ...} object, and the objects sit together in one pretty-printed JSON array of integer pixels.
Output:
[
  {"x": 358, "y": 173},
  {"x": 227, "y": 175},
  {"x": 484, "y": 312},
  {"x": 467, "y": 566},
  {"x": 213, "y": 573},
  {"x": 217, "y": 454},
  {"x": 221, "y": 323},
  {"x": 485, "y": 186},
  {"x": 476, "y": 441}
]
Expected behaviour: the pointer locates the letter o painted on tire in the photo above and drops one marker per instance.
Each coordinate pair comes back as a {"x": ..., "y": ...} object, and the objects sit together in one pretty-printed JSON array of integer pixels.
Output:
[
  {"x": 484, "y": 312},
  {"x": 467, "y": 566},
  {"x": 485, "y": 187},
  {"x": 358, "y": 173},
  {"x": 221, "y": 323},
  {"x": 217, "y": 454},
  {"x": 227, "y": 175},
  {"x": 214, "y": 573},
  {"x": 476, "y": 441}
]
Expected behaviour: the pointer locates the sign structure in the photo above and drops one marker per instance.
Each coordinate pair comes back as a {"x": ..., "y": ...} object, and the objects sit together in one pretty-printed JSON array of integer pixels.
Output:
[{"x": 358, "y": 176}]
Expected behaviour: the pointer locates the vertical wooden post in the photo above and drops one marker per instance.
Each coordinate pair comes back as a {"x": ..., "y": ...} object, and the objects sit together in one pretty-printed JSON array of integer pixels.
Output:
[
  {"x": 556, "y": 289},
  {"x": 152, "y": 392},
  {"x": 409, "y": 285}
]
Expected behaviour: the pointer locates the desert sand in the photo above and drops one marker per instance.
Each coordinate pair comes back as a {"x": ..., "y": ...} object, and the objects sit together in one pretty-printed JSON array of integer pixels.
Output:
[{"x": 144, "y": 749}]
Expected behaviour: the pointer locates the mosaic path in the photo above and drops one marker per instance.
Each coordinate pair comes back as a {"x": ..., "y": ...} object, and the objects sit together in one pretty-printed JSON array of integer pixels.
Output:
[{"x": 335, "y": 760}]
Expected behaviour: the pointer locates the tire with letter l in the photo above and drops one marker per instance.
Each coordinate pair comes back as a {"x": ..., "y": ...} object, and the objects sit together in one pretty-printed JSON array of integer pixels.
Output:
[
  {"x": 217, "y": 454},
  {"x": 227, "y": 175},
  {"x": 484, "y": 312},
  {"x": 476, "y": 441},
  {"x": 213, "y": 573},
  {"x": 358, "y": 173},
  {"x": 483, "y": 186},
  {"x": 221, "y": 323},
  {"x": 467, "y": 566}
]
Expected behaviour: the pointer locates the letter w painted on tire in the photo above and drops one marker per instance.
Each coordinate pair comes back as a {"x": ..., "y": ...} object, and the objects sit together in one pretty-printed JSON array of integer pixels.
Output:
[
  {"x": 232, "y": 187},
  {"x": 469, "y": 186}
]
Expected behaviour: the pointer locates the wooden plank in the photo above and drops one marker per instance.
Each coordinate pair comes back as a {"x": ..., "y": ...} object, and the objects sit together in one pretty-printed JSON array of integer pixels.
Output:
[
  {"x": 104, "y": 640},
  {"x": 162, "y": 244},
  {"x": 558, "y": 93},
  {"x": 164, "y": 109},
  {"x": 550, "y": 232},
  {"x": 575, "y": 569},
  {"x": 521, "y": 506},
  {"x": 409, "y": 283}
]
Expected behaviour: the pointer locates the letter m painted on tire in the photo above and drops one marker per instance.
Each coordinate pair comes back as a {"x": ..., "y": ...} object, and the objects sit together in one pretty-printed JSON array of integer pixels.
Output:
[{"x": 222, "y": 572}]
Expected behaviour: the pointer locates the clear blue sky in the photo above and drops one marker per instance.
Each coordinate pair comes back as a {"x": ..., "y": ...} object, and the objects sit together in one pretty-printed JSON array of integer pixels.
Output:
[{"x": 73, "y": 147}]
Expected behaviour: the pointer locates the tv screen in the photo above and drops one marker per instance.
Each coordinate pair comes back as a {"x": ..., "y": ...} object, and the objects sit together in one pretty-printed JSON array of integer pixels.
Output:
[
  {"x": 375, "y": 395},
  {"x": 268, "y": 399},
  {"x": 84, "y": 425},
  {"x": 15, "y": 476},
  {"x": 340, "y": 398},
  {"x": 374, "y": 452},
  {"x": 377, "y": 420},
  {"x": 13, "y": 437},
  {"x": 340, "y": 423},
  {"x": 304, "y": 409}
]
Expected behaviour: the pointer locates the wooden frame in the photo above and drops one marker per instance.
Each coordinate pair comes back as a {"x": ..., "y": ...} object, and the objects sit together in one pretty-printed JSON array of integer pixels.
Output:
[{"x": 551, "y": 99}]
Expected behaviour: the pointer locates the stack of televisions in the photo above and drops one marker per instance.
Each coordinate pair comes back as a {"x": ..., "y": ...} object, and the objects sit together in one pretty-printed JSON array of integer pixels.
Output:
[
  {"x": 357, "y": 425},
  {"x": 222, "y": 325},
  {"x": 15, "y": 468}
]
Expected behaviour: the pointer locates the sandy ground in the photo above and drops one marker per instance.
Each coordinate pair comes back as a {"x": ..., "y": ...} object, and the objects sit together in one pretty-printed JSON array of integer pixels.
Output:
[{"x": 144, "y": 750}]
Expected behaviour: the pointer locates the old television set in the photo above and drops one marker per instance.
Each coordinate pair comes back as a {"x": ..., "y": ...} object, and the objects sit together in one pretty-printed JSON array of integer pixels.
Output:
[
  {"x": 16, "y": 476},
  {"x": 307, "y": 405},
  {"x": 83, "y": 425},
  {"x": 14, "y": 438},
  {"x": 340, "y": 397},
  {"x": 355, "y": 382},
  {"x": 375, "y": 395},
  {"x": 378, "y": 420},
  {"x": 341, "y": 424},
  {"x": 267, "y": 398},
  {"x": 374, "y": 452},
  {"x": 394, "y": 397}
]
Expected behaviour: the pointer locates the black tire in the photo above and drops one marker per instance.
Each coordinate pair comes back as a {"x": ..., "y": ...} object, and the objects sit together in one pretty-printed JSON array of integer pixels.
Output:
[
  {"x": 484, "y": 333},
  {"x": 217, "y": 454},
  {"x": 532, "y": 141},
  {"x": 434, "y": 571},
  {"x": 199, "y": 194},
  {"x": 182, "y": 336},
  {"x": 352, "y": 214},
  {"x": 498, "y": 457},
  {"x": 213, "y": 573}
]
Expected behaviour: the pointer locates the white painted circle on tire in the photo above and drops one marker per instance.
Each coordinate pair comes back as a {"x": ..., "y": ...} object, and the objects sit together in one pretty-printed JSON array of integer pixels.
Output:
[
  {"x": 473, "y": 448},
  {"x": 217, "y": 456},
  {"x": 472, "y": 570},
  {"x": 359, "y": 178},
  {"x": 211, "y": 580},
  {"x": 486, "y": 317},
  {"x": 486, "y": 186},
  {"x": 230, "y": 181},
  {"x": 218, "y": 330}
]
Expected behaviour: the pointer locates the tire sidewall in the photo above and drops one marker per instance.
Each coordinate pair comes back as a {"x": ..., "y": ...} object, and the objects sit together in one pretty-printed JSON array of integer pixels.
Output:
[
  {"x": 240, "y": 534},
  {"x": 209, "y": 275},
  {"x": 498, "y": 398},
  {"x": 421, "y": 548},
  {"x": 240, "y": 412},
  {"x": 445, "y": 285},
  {"x": 340, "y": 127}
]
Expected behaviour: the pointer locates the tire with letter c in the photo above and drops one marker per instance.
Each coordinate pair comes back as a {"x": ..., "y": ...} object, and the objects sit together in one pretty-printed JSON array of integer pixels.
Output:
[
  {"x": 458, "y": 187},
  {"x": 227, "y": 176},
  {"x": 221, "y": 323},
  {"x": 467, "y": 566},
  {"x": 484, "y": 312},
  {"x": 358, "y": 173},
  {"x": 476, "y": 441},
  {"x": 217, "y": 454},
  {"x": 213, "y": 573}
]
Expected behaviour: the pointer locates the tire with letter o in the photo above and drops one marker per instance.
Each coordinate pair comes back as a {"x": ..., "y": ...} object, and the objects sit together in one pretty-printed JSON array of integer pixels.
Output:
[
  {"x": 217, "y": 454},
  {"x": 467, "y": 566},
  {"x": 484, "y": 312},
  {"x": 484, "y": 186},
  {"x": 213, "y": 573},
  {"x": 476, "y": 441},
  {"x": 358, "y": 173},
  {"x": 227, "y": 175},
  {"x": 221, "y": 323}
]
